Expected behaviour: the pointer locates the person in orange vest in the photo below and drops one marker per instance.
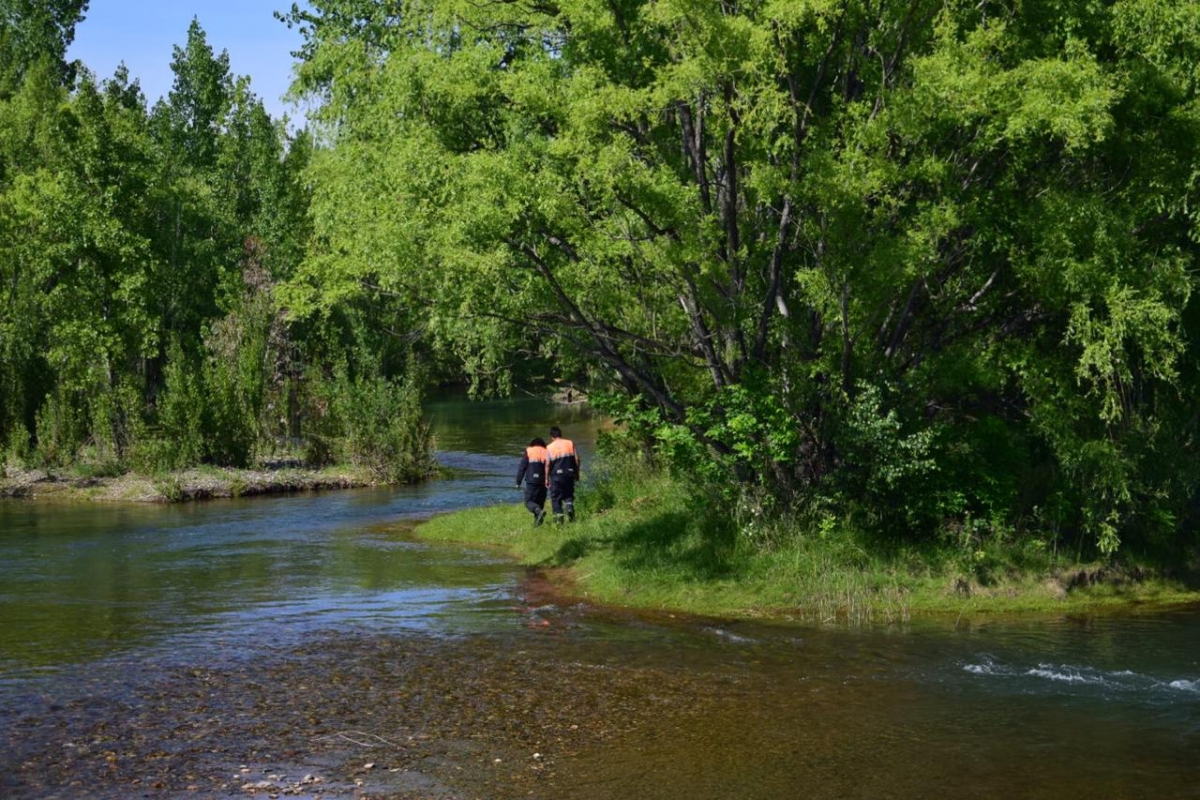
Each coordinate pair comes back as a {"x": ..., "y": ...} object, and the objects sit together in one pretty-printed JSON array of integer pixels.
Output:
[
  {"x": 532, "y": 471},
  {"x": 564, "y": 471}
]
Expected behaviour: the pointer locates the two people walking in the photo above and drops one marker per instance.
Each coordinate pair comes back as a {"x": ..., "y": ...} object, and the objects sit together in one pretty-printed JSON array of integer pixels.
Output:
[{"x": 550, "y": 468}]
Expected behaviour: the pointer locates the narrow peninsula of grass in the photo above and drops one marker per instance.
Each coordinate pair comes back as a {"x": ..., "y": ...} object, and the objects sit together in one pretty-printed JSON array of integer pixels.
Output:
[
  {"x": 651, "y": 544},
  {"x": 197, "y": 483}
]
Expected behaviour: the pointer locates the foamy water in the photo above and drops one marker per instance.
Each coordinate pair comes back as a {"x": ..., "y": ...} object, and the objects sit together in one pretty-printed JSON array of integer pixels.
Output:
[{"x": 1071, "y": 675}]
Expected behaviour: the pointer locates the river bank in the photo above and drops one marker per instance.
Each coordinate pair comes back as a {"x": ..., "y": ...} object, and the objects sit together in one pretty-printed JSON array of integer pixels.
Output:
[
  {"x": 198, "y": 483},
  {"x": 649, "y": 545}
]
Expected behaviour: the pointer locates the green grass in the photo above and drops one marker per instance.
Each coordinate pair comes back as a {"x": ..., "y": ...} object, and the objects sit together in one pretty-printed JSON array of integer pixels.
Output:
[{"x": 651, "y": 545}]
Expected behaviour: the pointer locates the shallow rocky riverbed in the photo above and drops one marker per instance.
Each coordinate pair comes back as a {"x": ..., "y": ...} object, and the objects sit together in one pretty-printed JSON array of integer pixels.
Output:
[{"x": 341, "y": 717}]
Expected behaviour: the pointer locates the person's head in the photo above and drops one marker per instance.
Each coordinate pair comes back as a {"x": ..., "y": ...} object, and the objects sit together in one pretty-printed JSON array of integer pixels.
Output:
[
  {"x": 537, "y": 442},
  {"x": 555, "y": 432}
]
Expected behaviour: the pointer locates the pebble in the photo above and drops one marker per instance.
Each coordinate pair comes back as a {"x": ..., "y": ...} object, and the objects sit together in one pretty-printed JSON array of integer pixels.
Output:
[{"x": 259, "y": 785}]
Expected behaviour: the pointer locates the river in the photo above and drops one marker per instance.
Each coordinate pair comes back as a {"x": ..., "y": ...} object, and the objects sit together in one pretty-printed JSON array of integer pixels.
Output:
[{"x": 309, "y": 646}]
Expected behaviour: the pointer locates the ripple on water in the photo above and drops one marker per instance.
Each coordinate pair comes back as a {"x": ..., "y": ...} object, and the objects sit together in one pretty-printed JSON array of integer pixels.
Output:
[{"x": 1126, "y": 682}]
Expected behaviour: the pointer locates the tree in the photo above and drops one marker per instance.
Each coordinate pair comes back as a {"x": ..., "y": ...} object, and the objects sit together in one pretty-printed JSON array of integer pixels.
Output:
[
  {"x": 76, "y": 257},
  {"x": 899, "y": 255},
  {"x": 195, "y": 227},
  {"x": 35, "y": 30},
  {"x": 199, "y": 99}
]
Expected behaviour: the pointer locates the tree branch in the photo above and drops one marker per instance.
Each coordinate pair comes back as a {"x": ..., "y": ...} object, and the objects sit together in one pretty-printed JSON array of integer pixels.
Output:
[
  {"x": 769, "y": 304},
  {"x": 602, "y": 344}
]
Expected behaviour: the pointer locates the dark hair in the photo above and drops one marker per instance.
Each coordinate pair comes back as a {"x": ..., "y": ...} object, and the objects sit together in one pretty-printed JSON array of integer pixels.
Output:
[
  {"x": 537, "y": 442},
  {"x": 555, "y": 431}
]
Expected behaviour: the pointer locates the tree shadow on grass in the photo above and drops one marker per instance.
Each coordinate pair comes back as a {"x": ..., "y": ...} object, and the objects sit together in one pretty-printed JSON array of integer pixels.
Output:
[
  {"x": 573, "y": 550},
  {"x": 673, "y": 542}
]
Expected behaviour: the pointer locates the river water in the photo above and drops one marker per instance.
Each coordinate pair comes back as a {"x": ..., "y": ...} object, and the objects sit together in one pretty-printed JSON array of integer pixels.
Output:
[{"x": 309, "y": 646}]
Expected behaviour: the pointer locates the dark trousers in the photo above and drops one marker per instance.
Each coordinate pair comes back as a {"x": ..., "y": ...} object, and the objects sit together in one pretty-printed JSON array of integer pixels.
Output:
[
  {"x": 535, "y": 498},
  {"x": 562, "y": 493}
]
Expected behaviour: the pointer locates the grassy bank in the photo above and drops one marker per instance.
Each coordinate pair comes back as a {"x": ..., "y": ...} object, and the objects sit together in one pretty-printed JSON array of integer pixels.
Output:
[
  {"x": 650, "y": 544},
  {"x": 190, "y": 484}
]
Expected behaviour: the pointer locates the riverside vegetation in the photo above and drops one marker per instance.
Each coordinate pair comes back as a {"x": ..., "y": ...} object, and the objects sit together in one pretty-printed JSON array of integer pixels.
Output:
[
  {"x": 923, "y": 270},
  {"x": 141, "y": 255},
  {"x": 649, "y": 540},
  {"x": 912, "y": 280}
]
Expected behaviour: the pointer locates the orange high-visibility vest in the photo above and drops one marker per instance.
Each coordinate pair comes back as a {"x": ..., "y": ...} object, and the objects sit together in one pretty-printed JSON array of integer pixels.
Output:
[
  {"x": 561, "y": 450},
  {"x": 538, "y": 460}
]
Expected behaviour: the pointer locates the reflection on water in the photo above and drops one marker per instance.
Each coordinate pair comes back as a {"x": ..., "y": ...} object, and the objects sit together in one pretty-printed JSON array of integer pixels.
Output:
[
  {"x": 1037, "y": 708},
  {"x": 504, "y": 427}
]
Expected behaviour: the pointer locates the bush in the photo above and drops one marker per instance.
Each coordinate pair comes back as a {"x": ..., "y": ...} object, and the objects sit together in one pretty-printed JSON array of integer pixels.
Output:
[
  {"x": 150, "y": 455},
  {"x": 386, "y": 430},
  {"x": 20, "y": 449},
  {"x": 180, "y": 415},
  {"x": 888, "y": 468},
  {"x": 231, "y": 422},
  {"x": 59, "y": 432},
  {"x": 93, "y": 464},
  {"x": 116, "y": 422},
  {"x": 321, "y": 425}
]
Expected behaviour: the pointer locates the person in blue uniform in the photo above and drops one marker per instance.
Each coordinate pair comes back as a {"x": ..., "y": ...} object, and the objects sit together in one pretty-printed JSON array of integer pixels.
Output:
[
  {"x": 532, "y": 470},
  {"x": 564, "y": 471}
]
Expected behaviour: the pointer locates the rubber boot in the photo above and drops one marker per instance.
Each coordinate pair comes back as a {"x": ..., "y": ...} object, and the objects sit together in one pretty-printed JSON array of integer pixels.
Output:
[
  {"x": 559, "y": 519},
  {"x": 569, "y": 507},
  {"x": 538, "y": 516}
]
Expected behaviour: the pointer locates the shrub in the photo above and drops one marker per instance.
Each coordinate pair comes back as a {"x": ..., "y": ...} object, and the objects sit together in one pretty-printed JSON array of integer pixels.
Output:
[
  {"x": 321, "y": 425},
  {"x": 230, "y": 423},
  {"x": 386, "y": 430},
  {"x": 180, "y": 416},
  {"x": 59, "y": 432}
]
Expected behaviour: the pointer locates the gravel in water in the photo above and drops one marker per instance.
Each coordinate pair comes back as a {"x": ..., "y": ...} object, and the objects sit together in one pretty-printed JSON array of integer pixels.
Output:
[{"x": 344, "y": 716}]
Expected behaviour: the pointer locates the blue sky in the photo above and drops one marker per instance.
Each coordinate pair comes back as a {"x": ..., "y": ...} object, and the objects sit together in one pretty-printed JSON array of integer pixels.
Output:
[{"x": 143, "y": 35}]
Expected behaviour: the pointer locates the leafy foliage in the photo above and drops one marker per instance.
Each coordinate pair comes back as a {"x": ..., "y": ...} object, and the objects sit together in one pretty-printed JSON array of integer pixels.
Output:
[
  {"x": 924, "y": 262},
  {"x": 140, "y": 251},
  {"x": 36, "y": 31},
  {"x": 385, "y": 430}
]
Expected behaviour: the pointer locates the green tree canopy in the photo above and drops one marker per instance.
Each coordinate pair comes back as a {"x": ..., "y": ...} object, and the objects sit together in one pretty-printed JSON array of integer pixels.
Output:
[
  {"x": 35, "y": 30},
  {"x": 931, "y": 258}
]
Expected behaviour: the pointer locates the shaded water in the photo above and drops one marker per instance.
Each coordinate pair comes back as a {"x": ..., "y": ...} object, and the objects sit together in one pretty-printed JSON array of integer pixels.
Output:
[{"x": 177, "y": 649}]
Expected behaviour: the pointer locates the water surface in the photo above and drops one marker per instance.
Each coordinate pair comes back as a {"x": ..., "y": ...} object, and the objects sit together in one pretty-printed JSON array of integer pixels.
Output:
[{"x": 170, "y": 647}]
